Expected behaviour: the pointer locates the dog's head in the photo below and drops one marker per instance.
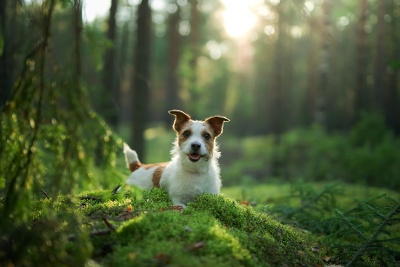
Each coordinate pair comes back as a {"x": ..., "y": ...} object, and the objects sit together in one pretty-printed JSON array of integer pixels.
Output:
[{"x": 196, "y": 139}]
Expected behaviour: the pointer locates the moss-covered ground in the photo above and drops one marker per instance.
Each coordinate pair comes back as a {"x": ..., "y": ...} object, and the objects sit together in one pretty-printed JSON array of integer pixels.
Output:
[
  {"x": 244, "y": 226},
  {"x": 139, "y": 228}
]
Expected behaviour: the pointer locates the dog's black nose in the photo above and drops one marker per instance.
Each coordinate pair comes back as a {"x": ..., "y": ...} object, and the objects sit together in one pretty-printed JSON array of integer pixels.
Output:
[{"x": 196, "y": 145}]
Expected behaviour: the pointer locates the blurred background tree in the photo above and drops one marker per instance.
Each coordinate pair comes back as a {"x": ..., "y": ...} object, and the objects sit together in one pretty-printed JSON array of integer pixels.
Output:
[{"x": 272, "y": 66}]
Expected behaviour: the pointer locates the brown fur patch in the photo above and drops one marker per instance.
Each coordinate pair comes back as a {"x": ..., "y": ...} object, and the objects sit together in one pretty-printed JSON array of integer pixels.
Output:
[
  {"x": 181, "y": 138},
  {"x": 135, "y": 165},
  {"x": 210, "y": 142},
  {"x": 157, "y": 172}
]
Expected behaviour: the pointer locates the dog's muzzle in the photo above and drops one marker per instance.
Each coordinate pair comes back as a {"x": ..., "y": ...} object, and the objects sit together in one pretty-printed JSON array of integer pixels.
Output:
[{"x": 195, "y": 155}]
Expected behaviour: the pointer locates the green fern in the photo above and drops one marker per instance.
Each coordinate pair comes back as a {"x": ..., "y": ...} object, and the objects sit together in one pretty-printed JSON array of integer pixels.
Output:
[
  {"x": 369, "y": 233},
  {"x": 310, "y": 206}
]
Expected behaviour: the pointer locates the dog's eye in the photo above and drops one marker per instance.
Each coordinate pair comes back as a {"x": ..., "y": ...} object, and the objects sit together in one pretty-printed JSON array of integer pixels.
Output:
[
  {"x": 207, "y": 136},
  {"x": 186, "y": 134}
]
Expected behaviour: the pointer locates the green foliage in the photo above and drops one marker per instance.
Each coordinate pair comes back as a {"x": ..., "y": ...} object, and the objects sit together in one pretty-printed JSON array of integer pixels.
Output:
[
  {"x": 370, "y": 154},
  {"x": 310, "y": 206},
  {"x": 368, "y": 235},
  {"x": 364, "y": 235},
  {"x": 44, "y": 239}
]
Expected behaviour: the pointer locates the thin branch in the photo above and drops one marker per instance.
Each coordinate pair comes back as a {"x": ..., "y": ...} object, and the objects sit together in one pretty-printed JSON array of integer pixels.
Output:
[{"x": 109, "y": 225}]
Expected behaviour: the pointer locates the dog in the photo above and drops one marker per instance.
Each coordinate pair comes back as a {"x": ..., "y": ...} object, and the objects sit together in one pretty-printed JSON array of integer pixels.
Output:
[{"x": 193, "y": 168}]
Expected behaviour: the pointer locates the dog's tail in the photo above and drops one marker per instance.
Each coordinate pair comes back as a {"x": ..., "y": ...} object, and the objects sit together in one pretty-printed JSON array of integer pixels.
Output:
[{"x": 131, "y": 158}]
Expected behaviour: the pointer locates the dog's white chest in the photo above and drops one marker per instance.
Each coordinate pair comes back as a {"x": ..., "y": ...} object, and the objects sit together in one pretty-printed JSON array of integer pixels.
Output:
[{"x": 183, "y": 186}]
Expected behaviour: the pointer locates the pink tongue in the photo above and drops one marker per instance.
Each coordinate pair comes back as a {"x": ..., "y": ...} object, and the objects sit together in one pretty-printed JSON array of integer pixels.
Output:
[{"x": 194, "y": 156}]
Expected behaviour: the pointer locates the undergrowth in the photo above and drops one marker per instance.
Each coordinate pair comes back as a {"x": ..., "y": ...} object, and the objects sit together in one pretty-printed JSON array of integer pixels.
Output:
[
  {"x": 368, "y": 154},
  {"x": 138, "y": 228},
  {"x": 364, "y": 234}
]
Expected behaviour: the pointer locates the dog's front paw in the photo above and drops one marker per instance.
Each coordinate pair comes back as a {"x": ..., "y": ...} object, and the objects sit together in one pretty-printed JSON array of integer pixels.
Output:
[{"x": 178, "y": 208}]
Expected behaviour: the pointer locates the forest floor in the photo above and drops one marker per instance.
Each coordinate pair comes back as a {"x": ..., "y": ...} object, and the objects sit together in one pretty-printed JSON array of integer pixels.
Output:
[{"x": 244, "y": 226}]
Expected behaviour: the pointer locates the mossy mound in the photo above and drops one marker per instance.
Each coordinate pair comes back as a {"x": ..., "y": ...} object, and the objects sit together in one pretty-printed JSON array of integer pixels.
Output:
[{"x": 211, "y": 231}]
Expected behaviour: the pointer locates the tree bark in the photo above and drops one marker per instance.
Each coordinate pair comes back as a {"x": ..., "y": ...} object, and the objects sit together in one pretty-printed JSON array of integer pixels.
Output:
[
  {"x": 380, "y": 57},
  {"x": 77, "y": 16},
  {"x": 324, "y": 67},
  {"x": 361, "y": 93},
  {"x": 111, "y": 104},
  {"x": 392, "y": 100},
  {"x": 174, "y": 49},
  {"x": 194, "y": 46},
  {"x": 141, "y": 77},
  {"x": 277, "y": 76},
  {"x": 6, "y": 56}
]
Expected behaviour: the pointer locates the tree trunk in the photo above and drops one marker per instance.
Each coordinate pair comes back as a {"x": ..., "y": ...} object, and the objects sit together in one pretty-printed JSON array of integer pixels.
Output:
[
  {"x": 380, "y": 57},
  {"x": 77, "y": 17},
  {"x": 277, "y": 76},
  {"x": 324, "y": 67},
  {"x": 111, "y": 104},
  {"x": 172, "y": 87},
  {"x": 392, "y": 102},
  {"x": 194, "y": 46},
  {"x": 6, "y": 56},
  {"x": 361, "y": 91},
  {"x": 141, "y": 77},
  {"x": 311, "y": 89},
  {"x": 124, "y": 77}
]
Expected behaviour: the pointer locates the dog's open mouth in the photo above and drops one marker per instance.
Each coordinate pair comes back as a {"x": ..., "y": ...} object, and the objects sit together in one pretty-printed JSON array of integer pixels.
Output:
[{"x": 194, "y": 157}]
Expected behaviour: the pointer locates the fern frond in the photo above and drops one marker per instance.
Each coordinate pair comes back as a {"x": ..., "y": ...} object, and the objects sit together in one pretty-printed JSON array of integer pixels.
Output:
[{"x": 395, "y": 210}]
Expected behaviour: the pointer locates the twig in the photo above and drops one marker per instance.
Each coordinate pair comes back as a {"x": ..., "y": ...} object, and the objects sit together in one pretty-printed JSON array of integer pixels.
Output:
[
  {"x": 92, "y": 234},
  {"x": 90, "y": 198},
  {"x": 109, "y": 225},
  {"x": 101, "y": 232}
]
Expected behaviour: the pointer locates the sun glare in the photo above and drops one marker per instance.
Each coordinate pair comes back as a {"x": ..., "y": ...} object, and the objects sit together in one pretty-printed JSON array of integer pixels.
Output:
[
  {"x": 95, "y": 8},
  {"x": 238, "y": 17}
]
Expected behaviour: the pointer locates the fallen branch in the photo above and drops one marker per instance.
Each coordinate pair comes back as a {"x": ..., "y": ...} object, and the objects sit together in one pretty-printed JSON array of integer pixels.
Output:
[{"x": 109, "y": 225}]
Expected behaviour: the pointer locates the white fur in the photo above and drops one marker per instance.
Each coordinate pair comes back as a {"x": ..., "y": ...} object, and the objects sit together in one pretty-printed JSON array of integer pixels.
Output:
[
  {"x": 182, "y": 179},
  {"x": 130, "y": 155},
  {"x": 142, "y": 178}
]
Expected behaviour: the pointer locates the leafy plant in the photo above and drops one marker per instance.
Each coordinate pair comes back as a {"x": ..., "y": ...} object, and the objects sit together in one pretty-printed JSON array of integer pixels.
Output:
[
  {"x": 366, "y": 235},
  {"x": 305, "y": 206},
  {"x": 369, "y": 233}
]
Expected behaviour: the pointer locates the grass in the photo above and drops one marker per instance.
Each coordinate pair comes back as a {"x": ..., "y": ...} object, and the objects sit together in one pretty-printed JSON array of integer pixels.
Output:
[{"x": 272, "y": 194}]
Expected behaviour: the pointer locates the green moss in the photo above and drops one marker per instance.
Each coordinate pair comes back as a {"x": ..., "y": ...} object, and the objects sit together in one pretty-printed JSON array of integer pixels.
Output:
[
  {"x": 268, "y": 240},
  {"x": 179, "y": 238},
  {"x": 212, "y": 231},
  {"x": 141, "y": 230}
]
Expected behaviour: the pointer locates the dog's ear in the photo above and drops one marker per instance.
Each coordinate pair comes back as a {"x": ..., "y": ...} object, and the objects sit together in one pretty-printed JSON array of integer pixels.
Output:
[
  {"x": 217, "y": 124},
  {"x": 181, "y": 118}
]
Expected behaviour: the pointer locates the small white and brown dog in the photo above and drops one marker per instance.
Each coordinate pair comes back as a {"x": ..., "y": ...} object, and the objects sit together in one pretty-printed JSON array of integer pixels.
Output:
[{"x": 193, "y": 169}]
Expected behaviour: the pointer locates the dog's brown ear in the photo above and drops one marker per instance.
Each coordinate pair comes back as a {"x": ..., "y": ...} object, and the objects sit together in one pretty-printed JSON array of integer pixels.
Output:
[
  {"x": 217, "y": 124},
  {"x": 181, "y": 118}
]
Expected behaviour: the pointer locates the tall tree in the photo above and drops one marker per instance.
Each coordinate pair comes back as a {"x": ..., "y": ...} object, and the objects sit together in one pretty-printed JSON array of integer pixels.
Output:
[
  {"x": 109, "y": 73},
  {"x": 8, "y": 10},
  {"x": 77, "y": 17},
  {"x": 361, "y": 92},
  {"x": 392, "y": 99},
  {"x": 277, "y": 75},
  {"x": 141, "y": 76},
  {"x": 124, "y": 76},
  {"x": 380, "y": 57},
  {"x": 194, "y": 46},
  {"x": 324, "y": 67},
  {"x": 173, "y": 54}
]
